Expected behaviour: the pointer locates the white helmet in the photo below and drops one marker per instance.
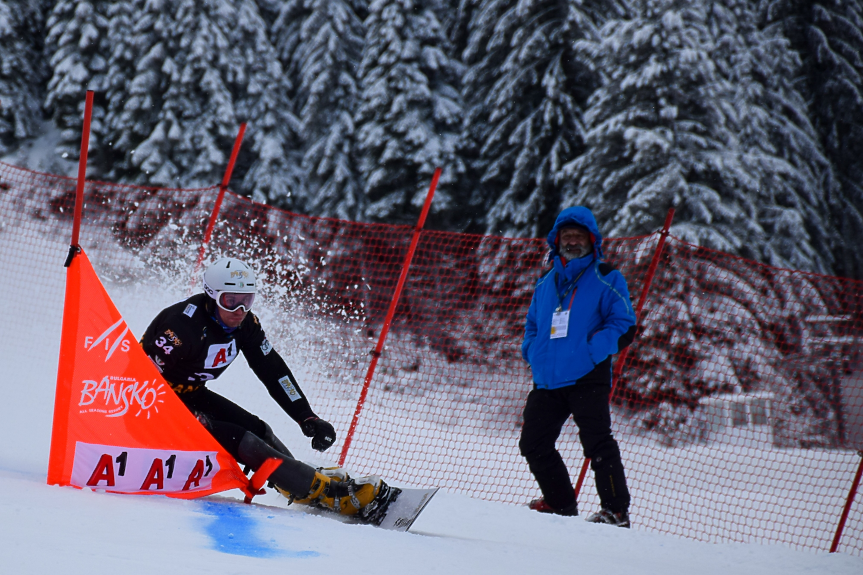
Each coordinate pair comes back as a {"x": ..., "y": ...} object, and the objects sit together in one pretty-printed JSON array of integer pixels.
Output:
[{"x": 226, "y": 277}]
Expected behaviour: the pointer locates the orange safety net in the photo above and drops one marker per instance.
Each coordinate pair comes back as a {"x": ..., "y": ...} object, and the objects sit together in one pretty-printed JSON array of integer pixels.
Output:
[
  {"x": 739, "y": 408},
  {"x": 117, "y": 424}
]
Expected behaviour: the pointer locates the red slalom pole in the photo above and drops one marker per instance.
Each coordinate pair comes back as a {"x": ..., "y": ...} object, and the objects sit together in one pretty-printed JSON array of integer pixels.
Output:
[
  {"x": 848, "y": 502},
  {"x": 642, "y": 299},
  {"x": 213, "y": 216},
  {"x": 394, "y": 302},
  {"x": 618, "y": 365},
  {"x": 82, "y": 173}
]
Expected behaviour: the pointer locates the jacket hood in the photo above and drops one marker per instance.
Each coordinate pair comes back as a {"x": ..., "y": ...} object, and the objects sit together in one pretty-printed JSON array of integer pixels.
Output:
[{"x": 578, "y": 215}]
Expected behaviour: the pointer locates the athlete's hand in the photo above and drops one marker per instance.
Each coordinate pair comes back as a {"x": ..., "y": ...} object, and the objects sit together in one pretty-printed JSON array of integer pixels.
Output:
[{"x": 322, "y": 433}]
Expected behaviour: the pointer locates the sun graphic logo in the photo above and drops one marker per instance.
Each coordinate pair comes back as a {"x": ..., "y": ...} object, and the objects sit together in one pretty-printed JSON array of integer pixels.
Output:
[{"x": 115, "y": 396}]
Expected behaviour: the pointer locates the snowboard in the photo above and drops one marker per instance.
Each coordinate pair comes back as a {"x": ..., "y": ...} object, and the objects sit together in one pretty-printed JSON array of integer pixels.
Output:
[
  {"x": 405, "y": 507},
  {"x": 401, "y": 511}
]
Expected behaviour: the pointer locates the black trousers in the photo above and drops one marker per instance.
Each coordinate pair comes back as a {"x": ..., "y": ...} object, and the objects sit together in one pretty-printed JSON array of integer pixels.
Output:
[
  {"x": 228, "y": 423},
  {"x": 545, "y": 413},
  {"x": 224, "y": 419}
]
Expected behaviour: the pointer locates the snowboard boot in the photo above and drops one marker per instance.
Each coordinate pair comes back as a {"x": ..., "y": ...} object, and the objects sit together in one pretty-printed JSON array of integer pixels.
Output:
[
  {"x": 334, "y": 489},
  {"x": 609, "y": 517},
  {"x": 543, "y": 507}
]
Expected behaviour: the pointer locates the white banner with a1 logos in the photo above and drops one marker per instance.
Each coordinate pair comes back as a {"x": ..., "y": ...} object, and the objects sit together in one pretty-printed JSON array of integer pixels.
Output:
[{"x": 136, "y": 470}]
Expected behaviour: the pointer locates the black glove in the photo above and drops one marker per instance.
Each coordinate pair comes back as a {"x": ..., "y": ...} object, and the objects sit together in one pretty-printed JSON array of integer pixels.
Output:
[{"x": 322, "y": 433}]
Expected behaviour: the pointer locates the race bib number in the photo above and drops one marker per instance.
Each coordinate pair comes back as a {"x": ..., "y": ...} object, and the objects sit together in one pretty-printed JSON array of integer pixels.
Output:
[
  {"x": 221, "y": 355},
  {"x": 559, "y": 324}
]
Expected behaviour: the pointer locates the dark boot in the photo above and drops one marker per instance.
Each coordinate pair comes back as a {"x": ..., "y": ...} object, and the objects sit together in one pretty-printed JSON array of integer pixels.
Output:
[
  {"x": 610, "y": 478},
  {"x": 552, "y": 476},
  {"x": 292, "y": 475},
  {"x": 609, "y": 517},
  {"x": 543, "y": 507}
]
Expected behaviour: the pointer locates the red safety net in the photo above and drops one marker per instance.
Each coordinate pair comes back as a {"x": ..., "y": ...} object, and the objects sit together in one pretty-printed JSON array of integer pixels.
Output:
[{"x": 739, "y": 408}]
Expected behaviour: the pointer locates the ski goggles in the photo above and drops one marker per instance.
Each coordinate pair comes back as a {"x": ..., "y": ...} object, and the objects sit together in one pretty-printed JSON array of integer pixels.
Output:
[{"x": 230, "y": 301}]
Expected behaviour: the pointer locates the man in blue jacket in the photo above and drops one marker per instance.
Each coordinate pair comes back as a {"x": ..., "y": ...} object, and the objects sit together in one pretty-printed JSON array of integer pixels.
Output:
[{"x": 579, "y": 317}]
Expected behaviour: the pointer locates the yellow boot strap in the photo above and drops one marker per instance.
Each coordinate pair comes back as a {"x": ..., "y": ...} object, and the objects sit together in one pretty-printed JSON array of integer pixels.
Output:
[{"x": 318, "y": 484}]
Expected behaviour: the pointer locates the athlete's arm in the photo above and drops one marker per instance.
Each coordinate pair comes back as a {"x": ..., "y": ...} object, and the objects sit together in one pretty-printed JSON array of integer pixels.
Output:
[{"x": 274, "y": 373}]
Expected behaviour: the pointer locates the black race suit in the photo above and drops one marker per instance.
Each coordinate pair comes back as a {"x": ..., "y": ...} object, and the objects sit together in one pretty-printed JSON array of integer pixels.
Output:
[{"x": 190, "y": 347}]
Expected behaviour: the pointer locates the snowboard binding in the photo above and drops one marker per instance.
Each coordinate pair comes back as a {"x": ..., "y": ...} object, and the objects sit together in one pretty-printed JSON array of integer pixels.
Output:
[{"x": 365, "y": 498}]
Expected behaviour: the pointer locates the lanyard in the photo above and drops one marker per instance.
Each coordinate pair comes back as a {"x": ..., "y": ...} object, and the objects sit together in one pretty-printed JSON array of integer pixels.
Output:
[{"x": 573, "y": 287}]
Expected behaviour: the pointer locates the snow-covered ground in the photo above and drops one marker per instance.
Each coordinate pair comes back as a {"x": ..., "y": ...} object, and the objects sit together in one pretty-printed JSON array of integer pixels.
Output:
[
  {"x": 51, "y": 529},
  {"x": 62, "y": 530}
]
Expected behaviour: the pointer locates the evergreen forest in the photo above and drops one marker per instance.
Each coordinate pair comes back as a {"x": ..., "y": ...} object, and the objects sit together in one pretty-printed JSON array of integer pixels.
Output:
[{"x": 746, "y": 116}]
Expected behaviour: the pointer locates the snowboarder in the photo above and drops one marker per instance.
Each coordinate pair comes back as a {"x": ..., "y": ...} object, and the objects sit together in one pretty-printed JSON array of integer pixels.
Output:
[
  {"x": 195, "y": 340},
  {"x": 580, "y": 315}
]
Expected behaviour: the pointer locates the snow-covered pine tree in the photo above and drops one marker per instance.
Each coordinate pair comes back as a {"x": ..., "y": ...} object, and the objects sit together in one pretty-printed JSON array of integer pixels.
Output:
[
  {"x": 409, "y": 113},
  {"x": 657, "y": 137},
  {"x": 132, "y": 118},
  {"x": 324, "y": 64},
  {"x": 262, "y": 99},
  {"x": 77, "y": 51},
  {"x": 460, "y": 22},
  {"x": 285, "y": 20},
  {"x": 720, "y": 324},
  {"x": 450, "y": 15},
  {"x": 455, "y": 18},
  {"x": 525, "y": 88},
  {"x": 699, "y": 340},
  {"x": 777, "y": 143},
  {"x": 470, "y": 33},
  {"x": 828, "y": 36},
  {"x": 360, "y": 8},
  {"x": 194, "y": 68},
  {"x": 179, "y": 120},
  {"x": 122, "y": 61},
  {"x": 661, "y": 134},
  {"x": 22, "y": 73},
  {"x": 684, "y": 121}
]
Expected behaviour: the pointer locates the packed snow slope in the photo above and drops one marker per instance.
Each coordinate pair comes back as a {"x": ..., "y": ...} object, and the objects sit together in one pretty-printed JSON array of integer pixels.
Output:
[{"x": 49, "y": 529}]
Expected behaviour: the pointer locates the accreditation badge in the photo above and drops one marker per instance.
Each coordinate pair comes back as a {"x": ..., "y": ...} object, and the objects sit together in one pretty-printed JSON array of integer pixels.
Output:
[{"x": 559, "y": 324}]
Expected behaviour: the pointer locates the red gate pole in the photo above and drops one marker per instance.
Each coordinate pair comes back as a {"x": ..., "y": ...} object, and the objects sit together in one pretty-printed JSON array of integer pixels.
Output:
[
  {"x": 618, "y": 365},
  {"x": 74, "y": 248},
  {"x": 213, "y": 216},
  {"x": 848, "y": 503},
  {"x": 394, "y": 302}
]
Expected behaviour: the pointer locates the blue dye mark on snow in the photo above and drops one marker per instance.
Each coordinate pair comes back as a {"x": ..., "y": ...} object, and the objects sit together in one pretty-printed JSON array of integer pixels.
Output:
[{"x": 234, "y": 530}]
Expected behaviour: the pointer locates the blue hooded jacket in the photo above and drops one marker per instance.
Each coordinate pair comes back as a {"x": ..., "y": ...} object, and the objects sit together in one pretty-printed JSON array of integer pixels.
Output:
[{"x": 601, "y": 316}]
